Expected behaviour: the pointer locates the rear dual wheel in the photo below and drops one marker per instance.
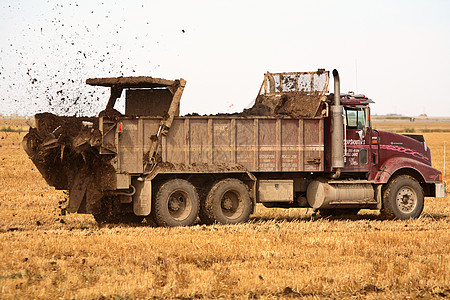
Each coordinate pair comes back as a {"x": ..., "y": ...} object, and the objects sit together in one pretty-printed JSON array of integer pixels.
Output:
[
  {"x": 228, "y": 202},
  {"x": 176, "y": 204}
]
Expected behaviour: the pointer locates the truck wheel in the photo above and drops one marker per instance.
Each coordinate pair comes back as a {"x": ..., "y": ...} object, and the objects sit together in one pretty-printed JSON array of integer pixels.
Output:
[
  {"x": 339, "y": 212},
  {"x": 228, "y": 202},
  {"x": 403, "y": 198},
  {"x": 176, "y": 204},
  {"x": 203, "y": 215},
  {"x": 203, "y": 190}
]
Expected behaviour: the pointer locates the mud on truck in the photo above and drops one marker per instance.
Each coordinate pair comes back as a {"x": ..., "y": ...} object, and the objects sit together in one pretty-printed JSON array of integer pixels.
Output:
[{"x": 298, "y": 146}]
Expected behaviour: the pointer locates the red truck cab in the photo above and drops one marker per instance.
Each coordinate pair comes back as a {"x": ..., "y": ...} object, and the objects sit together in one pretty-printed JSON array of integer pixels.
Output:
[{"x": 387, "y": 158}]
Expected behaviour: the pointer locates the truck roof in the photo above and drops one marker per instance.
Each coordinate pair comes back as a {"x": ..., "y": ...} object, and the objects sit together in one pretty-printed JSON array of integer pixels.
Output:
[
  {"x": 353, "y": 100},
  {"x": 132, "y": 82}
]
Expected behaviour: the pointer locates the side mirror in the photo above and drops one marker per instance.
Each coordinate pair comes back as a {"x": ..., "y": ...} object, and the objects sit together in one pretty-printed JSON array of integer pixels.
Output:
[{"x": 367, "y": 125}]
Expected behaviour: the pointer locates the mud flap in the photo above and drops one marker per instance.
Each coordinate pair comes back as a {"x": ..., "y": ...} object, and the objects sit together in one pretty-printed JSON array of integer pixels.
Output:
[
  {"x": 142, "y": 199},
  {"x": 379, "y": 196},
  {"x": 85, "y": 195},
  {"x": 77, "y": 192}
]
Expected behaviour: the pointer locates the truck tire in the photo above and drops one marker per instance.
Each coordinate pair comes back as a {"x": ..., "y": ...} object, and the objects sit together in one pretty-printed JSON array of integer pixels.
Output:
[
  {"x": 203, "y": 215},
  {"x": 176, "y": 204},
  {"x": 403, "y": 198},
  {"x": 339, "y": 212},
  {"x": 203, "y": 190},
  {"x": 228, "y": 202}
]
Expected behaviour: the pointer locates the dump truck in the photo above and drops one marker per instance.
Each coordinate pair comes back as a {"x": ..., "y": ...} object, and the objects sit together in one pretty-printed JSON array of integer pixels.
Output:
[{"x": 299, "y": 146}]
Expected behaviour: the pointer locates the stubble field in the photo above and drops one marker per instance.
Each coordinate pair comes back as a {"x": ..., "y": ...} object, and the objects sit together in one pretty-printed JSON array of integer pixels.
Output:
[{"x": 277, "y": 254}]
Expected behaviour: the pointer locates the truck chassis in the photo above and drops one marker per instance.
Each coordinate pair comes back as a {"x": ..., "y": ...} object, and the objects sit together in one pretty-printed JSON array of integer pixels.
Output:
[{"x": 297, "y": 147}]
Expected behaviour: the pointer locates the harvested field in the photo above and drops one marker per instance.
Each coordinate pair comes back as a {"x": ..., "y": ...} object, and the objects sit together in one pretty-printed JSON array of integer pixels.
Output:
[
  {"x": 418, "y": 126},
  {"x": 278, "y": 254},
  {"x": 17, "y": 124}
]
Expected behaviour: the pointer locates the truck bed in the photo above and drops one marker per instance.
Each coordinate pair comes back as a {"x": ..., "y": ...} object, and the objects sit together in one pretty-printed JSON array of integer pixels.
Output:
[{"x": 259, "y": 144}]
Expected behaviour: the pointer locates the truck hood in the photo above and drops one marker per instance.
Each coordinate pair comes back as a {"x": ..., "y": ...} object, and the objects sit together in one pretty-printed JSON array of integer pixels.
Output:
[{"x": 405, "y": 146}]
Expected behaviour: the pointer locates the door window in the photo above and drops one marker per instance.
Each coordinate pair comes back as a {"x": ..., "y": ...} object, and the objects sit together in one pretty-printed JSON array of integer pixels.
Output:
[{"x": 355, "y": 117}]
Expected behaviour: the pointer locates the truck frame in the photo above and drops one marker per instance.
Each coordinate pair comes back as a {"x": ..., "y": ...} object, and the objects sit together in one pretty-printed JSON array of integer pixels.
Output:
[{"x": 307, "y": 148}]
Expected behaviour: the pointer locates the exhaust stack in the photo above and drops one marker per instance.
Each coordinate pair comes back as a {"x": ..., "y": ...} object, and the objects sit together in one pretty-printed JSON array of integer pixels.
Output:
[{"x": 337, "y": 131}]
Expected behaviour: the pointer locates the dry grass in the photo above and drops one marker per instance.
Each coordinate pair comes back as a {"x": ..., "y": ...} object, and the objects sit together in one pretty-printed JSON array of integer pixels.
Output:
[
  {"x": 418, "y": 126},
  {"x": 17, "y": 124},
  {"x": 278, "y": 254}
]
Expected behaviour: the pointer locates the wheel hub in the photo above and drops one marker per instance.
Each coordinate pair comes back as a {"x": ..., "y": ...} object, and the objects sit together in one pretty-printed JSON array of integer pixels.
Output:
[
  {"x": 406, "y": 199},
  {"x": 227, "y": 203},
  {"x": 175, "y": 203}
]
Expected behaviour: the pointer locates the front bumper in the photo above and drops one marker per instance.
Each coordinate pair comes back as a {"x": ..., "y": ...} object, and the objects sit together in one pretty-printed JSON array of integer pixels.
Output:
[{"x": 440, "y": 190}]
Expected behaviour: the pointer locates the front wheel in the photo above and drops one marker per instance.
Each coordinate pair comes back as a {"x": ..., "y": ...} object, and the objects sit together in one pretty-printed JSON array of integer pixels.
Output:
[
  {"x": 403, "y": 198},
  {"x": 228, "y": 202},
  {"x": 176, "y": 204}
]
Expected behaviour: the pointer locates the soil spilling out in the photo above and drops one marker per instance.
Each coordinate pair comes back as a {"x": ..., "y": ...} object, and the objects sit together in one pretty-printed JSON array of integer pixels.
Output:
[
  {"x": 62, "y": 150},
  {"x": 292, "y": 104}
]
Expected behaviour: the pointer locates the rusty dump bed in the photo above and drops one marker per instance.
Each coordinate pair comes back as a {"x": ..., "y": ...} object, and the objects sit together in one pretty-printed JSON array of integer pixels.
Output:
[
  {"x": 258, "y": 144},
  {"x": 92, "y": 157}
]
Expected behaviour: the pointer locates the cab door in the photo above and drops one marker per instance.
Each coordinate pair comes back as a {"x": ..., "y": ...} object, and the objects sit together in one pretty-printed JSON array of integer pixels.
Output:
[{"x": 357, "y": 139}]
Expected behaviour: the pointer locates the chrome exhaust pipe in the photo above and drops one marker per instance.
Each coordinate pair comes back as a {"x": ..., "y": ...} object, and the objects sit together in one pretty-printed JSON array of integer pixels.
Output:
[{"x": 337, "y": 128}]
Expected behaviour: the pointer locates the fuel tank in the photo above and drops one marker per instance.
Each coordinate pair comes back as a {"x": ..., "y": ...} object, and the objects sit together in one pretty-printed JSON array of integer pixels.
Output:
[{"x": 332, "y": 194}]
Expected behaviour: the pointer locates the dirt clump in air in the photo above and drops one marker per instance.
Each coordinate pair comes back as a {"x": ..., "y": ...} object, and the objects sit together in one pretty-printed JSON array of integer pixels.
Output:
[{"x": 63, "y": 127}]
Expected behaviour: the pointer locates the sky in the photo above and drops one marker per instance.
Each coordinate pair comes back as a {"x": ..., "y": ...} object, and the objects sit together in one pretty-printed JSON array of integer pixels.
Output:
[{"x": 395, "y": 52}]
